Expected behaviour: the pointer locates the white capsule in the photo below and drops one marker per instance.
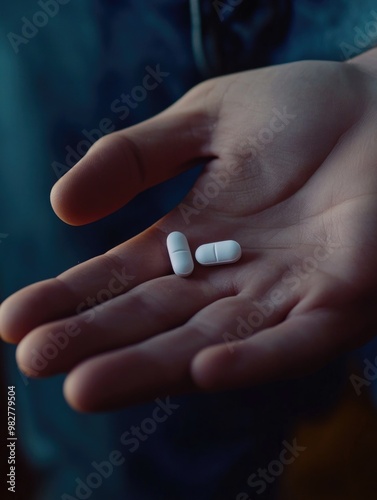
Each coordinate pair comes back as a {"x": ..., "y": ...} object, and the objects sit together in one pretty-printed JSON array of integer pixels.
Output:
[
  {"x": 216, "y": 254},
  {"x": 180, "y": 254}
]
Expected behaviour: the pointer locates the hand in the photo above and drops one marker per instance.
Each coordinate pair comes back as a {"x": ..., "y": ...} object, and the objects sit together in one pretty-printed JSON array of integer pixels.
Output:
[{"x": 290, "y": 174}]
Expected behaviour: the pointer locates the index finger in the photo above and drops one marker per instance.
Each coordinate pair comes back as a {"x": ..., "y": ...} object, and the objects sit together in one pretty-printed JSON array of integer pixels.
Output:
[{"x": 121, "y": 165}]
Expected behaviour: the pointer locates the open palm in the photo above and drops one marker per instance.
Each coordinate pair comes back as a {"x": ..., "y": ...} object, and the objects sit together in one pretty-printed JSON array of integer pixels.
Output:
[{"x": 290, "y": 174}]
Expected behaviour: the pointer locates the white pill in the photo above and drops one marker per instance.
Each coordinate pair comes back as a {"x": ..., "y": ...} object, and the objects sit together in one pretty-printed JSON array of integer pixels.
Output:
[
  {"x": 216, "y": 254},
  {"x": 180, "y": 254}
]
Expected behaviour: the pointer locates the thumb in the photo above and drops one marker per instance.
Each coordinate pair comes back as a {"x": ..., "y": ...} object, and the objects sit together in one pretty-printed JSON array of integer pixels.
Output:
[{"x": 121, "y": 165}]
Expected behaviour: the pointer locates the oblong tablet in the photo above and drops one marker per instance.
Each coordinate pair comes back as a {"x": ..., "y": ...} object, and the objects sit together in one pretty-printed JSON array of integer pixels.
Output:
[
  {"x": 180, "y": 254},
  {"x": 218, "y": 253}
]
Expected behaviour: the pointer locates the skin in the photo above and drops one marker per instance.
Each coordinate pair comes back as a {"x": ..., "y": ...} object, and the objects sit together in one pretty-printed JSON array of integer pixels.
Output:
[{"x": 307, "y": 193}]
